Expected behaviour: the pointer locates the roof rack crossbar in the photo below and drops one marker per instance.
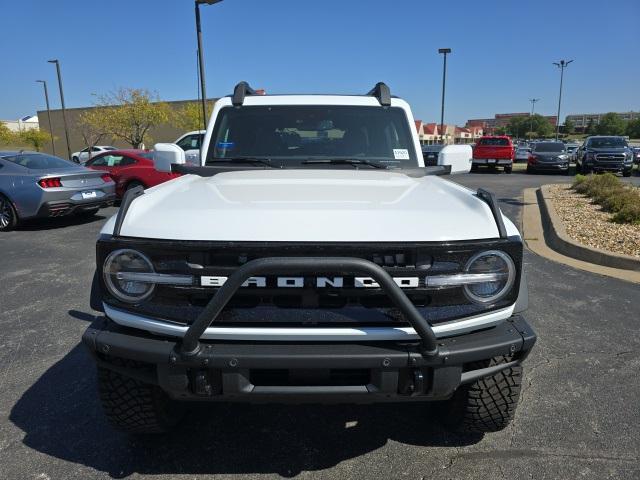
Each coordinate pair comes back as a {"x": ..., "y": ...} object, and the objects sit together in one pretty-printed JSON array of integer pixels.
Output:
[
  {"x": 240, "y": 91},
  {"x": 382, "y": 93}
]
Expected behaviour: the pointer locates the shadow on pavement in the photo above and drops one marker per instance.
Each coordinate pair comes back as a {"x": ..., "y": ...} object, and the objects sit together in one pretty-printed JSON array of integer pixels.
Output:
[
  {"x": 58, "y": 222},
  {"x": 60, "y": 416}
]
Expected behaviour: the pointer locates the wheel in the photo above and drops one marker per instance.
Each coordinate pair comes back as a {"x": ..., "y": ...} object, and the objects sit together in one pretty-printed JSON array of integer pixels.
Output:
[
  {"x": 584, "y": 170},
  {"x": 508, "y": 169},
  {"x": 626, "y": 173},
  {"x": 8, "y": 215},
  {"x": 75, "y": 159},
  {"x": 474, "y": 167},
  {"x": 486, "y": 405},
  {"x": 136, "y": 407},
  {"x": 530, "y": 170}
]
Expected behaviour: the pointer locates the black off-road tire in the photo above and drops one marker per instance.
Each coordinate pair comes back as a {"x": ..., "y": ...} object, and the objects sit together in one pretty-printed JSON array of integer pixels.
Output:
[
  {"x": 135, "y": 407},
  {"x": 474, "y": 167},
  {"x": 508, "y": 169},
  {"x": 488, "y": 404}
]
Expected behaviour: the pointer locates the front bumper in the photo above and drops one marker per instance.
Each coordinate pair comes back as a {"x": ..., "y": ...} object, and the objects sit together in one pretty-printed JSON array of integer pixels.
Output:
[
  {"x": 492, "y": 161},
  {"x": 548, "y": 166},
  {"x": 300, "y": 372}
]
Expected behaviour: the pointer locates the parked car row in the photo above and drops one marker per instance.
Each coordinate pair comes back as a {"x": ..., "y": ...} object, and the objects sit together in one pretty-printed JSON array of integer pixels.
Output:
[{"x": 37, "y": 185}]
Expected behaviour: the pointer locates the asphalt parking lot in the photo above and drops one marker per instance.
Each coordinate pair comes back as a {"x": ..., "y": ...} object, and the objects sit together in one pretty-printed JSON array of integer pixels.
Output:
[{"x": 578, "y": 415}]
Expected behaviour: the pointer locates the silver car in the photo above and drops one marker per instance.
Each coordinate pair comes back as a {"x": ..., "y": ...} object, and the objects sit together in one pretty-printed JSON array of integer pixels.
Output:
[
  {"x": 522, "y": 154},
  {"x": 34, "y": 185}
]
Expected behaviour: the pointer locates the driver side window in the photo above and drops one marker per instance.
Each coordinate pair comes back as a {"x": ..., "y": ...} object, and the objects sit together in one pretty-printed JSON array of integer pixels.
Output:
[{"x": 190, "y": 142}]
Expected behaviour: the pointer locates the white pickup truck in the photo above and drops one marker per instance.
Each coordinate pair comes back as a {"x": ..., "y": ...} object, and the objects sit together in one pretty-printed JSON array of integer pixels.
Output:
[{"x": 309, "y": 257}]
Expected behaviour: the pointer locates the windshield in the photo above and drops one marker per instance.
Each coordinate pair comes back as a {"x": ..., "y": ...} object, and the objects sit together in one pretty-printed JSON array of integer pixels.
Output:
[
  {"x": 607, "y": 142},
  {"x": 39, "y": 161},
  {"x": 288, "y": 135},
  {"x": 500, "y": 142},
  {"x": 549, "y": 147}
]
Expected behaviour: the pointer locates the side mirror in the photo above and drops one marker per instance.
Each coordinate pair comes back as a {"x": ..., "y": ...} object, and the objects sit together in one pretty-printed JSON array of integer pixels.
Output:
[
  {"x": 457, "y": 156},
  {"x": 166, "y": 154}
]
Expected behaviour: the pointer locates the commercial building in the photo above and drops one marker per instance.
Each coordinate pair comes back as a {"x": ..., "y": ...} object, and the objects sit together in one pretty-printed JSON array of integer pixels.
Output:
[
  {"x": 502, "y": 120},
  {"x": 25, "y": 123},
  {"x": 582, "y": 120},
  {"x": 429, "y": 133}
]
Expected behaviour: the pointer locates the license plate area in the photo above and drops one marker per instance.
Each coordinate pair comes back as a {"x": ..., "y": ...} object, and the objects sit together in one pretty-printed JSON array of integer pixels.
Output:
[{"x": 89, "y": 194}]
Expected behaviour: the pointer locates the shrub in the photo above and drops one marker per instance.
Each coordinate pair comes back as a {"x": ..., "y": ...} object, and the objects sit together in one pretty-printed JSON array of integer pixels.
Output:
[{"x": 614, "y": 196}]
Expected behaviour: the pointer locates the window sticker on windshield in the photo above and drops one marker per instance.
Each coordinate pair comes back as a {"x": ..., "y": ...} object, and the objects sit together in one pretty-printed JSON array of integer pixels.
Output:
[
  {"x": 227, "y": 145},
  {"x": 401, "y": 154}
]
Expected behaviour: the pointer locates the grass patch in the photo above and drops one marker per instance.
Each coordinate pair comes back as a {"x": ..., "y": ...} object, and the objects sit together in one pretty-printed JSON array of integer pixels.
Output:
[{"x": 623, "y": 201}]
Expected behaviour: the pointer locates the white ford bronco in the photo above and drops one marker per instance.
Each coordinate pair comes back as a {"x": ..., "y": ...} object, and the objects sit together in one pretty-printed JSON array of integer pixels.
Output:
[{"x": 309, "y": 257}]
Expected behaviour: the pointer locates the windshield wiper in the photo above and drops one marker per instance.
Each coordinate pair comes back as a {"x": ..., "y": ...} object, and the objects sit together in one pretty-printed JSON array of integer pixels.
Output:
[
  {"x": 263, "y": 161},
  {"x": 344, "y": 161}
]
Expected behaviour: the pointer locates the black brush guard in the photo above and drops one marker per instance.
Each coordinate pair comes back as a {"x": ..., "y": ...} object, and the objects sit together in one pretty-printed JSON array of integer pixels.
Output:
[{"x": 287, "y": 265}]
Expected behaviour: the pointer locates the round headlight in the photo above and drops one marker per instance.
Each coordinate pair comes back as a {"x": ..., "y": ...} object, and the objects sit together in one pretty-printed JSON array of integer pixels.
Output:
[
  {"x": 120, "y": 262},
  {"x": 501, "y": 273}
]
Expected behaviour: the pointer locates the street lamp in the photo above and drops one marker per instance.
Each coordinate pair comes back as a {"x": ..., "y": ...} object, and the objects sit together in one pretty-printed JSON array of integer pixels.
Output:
[
  {"x": 533, "y": 103},
  {"x": 64, "y": 112},
  {"x": 561, "y": 65},
  {"x": 203, "y": 90},
  {"x": 46, "y": 99},
  {"x": 444, "y": 51}
]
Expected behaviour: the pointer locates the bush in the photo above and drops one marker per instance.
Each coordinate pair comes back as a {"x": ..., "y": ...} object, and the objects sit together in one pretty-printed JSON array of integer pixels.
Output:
[{"x": 623, "y": 201}]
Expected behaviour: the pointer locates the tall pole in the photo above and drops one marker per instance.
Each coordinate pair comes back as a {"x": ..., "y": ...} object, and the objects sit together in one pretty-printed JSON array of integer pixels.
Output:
[
  {"x": 203, "y": 89},
  {"x": 561, "y": 65},
  {"x": 46, "y": 99},
  {"x": 64, "y": 112},
  {"x": 444, "y": 51},
  {"x": 533, "y": 103}
]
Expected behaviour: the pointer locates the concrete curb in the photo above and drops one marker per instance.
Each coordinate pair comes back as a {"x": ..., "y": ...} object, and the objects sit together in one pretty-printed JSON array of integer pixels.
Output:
[
  {"x": 534, "y": 236},
  {"x": 557, "y": 238}
]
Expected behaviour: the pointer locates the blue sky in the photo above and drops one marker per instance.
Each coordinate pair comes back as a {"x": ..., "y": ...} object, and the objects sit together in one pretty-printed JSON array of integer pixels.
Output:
[{"x": 502, "y": 51}]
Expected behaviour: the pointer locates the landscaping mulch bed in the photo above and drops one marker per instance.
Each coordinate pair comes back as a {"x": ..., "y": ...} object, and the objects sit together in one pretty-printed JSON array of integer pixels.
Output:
[{"x": 586, "y": 223}]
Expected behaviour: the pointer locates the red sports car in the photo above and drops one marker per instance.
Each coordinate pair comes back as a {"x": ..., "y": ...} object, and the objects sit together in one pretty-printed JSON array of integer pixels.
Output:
[{"x": 129, "y": 168}]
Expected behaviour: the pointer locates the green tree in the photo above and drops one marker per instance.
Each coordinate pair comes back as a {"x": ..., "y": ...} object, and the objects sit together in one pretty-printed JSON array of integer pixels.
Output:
[
  {"x": 501, "y": 130},
  {"x": 569, "y": 126},
  {"x": 633, "y": 128},
  {"x": 34, "y": 137},
  {"x": 6, "y": 136},
  {"x": 591, "y": 128},
  {"x": 129, "y": 114},
  {"x": 518, "y": 126},
  {"x": 541, "y": 126},
  {"x": 91, "y": 126},
  {"x": 611, "y": 124},
  {"x": 189, "y": 117}
]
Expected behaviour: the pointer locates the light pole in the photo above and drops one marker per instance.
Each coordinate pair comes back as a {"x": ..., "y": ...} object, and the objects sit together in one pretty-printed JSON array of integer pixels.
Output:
[
  {"x": 64, "y": 112},
  {"x": 561, "y": 65},
  {"x": 444, "y": 51},
  {"x": 533, "y": 103},
  {"x": 203, "y": 89},
  {"x": 46, "y": 99}
]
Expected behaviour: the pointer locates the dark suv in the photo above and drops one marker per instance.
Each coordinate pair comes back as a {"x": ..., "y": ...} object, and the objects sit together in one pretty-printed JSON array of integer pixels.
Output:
[{"x": 610, "y": 154}]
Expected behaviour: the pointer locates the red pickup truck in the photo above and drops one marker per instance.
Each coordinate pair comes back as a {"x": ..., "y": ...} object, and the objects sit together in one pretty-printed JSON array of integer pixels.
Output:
[{"x": 494, "y": 151}]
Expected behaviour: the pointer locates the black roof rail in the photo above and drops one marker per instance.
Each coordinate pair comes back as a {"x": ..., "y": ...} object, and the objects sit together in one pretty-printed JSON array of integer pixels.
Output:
[
  {"x": 240, "y": 91},
  {"x": 492, "y": 201},
  {"x": 382, "y": 93}
]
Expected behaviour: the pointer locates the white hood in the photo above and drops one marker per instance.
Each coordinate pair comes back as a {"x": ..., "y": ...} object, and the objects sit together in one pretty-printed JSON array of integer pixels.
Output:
[{"x": 310, "y": 206}]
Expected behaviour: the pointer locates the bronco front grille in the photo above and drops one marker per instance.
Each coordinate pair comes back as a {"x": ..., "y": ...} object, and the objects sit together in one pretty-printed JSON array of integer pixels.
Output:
[{"x": 308, "y": 304}]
